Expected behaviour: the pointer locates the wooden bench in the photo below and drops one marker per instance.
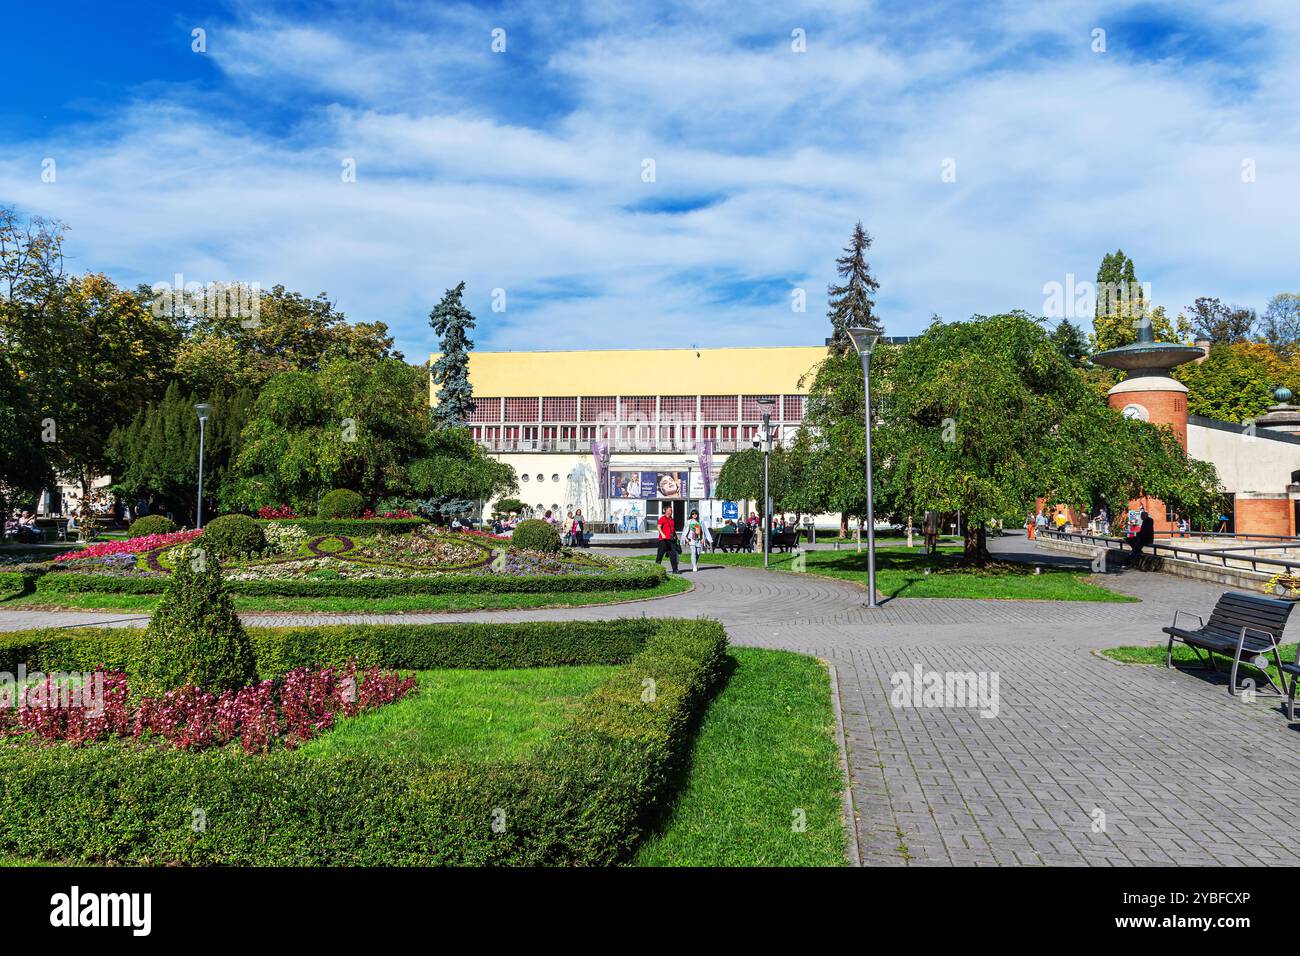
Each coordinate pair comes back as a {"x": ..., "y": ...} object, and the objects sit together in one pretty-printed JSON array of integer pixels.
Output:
[
  {"x": 1245, "y": 627},
  {"x": 785, "y": 540}
]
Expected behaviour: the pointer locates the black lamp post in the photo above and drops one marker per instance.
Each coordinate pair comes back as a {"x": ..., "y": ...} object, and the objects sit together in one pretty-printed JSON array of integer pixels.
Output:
[
  {"x": 767, "y": 404},
  {"x": 864, "y": 340}
]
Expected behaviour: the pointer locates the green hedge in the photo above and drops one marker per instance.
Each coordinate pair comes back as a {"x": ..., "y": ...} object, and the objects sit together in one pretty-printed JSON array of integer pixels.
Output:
[
  {"x": 68, "y": 582},
  {"x": 585, "y": 798},
  {"x": 358, "y": 527},
  {"x": 406, "y": 646},
  {"x": 17, "y": 582}
]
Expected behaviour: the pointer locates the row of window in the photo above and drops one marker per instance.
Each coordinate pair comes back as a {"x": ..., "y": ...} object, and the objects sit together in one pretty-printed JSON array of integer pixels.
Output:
[{"x": 638, "y": 408}]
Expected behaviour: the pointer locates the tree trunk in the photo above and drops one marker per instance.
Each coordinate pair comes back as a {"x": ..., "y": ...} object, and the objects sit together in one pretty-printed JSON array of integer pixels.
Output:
[
  {"x": 844, "y": 525},
  {"x": 975, "y": 546}
]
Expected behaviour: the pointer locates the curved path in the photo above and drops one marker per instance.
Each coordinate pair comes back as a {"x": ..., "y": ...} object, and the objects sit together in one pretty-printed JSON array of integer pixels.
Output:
[{"x": 1084, "y": 762}]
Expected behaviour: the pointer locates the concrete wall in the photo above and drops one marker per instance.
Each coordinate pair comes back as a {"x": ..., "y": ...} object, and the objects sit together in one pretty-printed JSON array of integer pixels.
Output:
[{"x": 1246, "y": 463}]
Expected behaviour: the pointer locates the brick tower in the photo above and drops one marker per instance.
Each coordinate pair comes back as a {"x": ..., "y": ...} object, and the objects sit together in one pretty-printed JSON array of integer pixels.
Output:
[{"x": 1151, "y": 394}]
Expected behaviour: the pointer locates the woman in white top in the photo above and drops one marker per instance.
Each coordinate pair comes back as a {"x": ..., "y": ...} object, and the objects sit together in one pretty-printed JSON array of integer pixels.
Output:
[{"x": 694, "y": 538}]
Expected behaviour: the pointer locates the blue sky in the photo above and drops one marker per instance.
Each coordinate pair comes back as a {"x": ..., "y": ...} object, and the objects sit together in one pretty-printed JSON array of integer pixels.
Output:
[{"x": 522, "y": 170}]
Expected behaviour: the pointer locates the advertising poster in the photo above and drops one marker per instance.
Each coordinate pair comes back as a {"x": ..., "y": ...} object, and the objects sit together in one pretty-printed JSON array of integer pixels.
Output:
[{"x": 647, "y": 484}]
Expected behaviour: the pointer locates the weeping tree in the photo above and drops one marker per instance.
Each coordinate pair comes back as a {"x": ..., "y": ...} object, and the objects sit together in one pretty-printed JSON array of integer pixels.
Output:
[{"x": 985, "y": 416}]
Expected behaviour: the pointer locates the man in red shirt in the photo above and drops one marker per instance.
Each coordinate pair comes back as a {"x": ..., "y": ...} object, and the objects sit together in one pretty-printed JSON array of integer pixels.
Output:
[{"x": 667, "y": 538}]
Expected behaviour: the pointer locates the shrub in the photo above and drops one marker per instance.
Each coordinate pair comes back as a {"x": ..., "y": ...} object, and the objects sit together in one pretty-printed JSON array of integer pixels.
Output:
[
  {"x": 195, "y": 636},
  {"x": 340, "y": 503},
  {"x": 585, "y": 798},
  {"x": 284, "y": 538},
  {"x": 535, "y": 535},
  {"x": 151, "y": 524},
  {"x": 68, "y": 582},
  {"x": 232, "y": 535}
]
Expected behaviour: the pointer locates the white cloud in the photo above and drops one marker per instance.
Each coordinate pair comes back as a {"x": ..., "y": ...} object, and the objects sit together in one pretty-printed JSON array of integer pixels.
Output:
[{"x": 1059, "y": 159}]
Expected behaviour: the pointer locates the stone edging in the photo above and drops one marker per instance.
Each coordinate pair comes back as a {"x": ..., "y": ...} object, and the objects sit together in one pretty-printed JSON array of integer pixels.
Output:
[{"x": 846, "y": 796}]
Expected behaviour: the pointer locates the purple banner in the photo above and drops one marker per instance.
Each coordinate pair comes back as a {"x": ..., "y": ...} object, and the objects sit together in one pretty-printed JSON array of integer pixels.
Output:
[
  {"x": 600, "y": 452},
  {"x": 705, "y": 449}
]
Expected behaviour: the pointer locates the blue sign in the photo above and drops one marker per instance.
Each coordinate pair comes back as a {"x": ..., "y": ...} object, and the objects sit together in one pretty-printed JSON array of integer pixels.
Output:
[{"x": 730, "y": 510}]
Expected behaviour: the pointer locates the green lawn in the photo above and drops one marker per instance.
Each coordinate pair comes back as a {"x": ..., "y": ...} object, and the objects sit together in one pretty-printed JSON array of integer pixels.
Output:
[
  {"x": 375, "y": 605},
  {"x": 469, "y": 714},
  {"x": 901, "y": 572},
  {"x": 766, "y": 750},
  {"x": 1184, "y": 654}
]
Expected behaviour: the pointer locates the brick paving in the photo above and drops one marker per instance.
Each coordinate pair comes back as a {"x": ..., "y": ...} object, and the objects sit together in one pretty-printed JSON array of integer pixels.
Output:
[{"x": 1087, "y": 762}]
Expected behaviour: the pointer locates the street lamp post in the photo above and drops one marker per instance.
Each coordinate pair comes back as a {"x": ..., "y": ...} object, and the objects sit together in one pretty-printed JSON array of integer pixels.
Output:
[
  {"x": 864, "y": 340},
  {"x": 767, "y": 404},
  {"x": 204, "y": 411}
]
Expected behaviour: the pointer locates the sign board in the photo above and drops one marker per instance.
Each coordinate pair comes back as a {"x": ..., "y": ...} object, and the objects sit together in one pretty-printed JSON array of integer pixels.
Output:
[
  {"x": 647, "y": 484},
  {"x": 730, "y": 509}
]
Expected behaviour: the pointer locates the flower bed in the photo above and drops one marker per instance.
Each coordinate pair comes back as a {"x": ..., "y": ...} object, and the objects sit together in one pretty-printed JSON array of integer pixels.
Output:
[
  {"x": 584, "y": 798},
  {"x": 287, "y": 711},
  {"x": 150, "y": 542},
  {"x": 425, "y": 561}
]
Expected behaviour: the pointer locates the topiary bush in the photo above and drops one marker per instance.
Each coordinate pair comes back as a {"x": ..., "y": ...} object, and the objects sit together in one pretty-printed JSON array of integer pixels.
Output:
[
  {"x": 232, "y": 535},
  {"x": 535, "y": 535},
  {"x": 195, "y": 636},
  {"x": 341, "y": 503},
  {"x": 151, "y": 524}
]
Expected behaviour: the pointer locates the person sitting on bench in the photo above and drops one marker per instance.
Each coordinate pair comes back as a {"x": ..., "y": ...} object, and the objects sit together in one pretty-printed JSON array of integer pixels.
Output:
[{"x": 1146, "y": 534}]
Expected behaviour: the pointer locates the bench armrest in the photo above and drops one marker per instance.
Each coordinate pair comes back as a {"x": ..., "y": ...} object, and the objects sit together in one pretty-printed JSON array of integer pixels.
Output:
[
  {"x": 1241, "y": 640},
  {"x": 1199, "y": 620}
]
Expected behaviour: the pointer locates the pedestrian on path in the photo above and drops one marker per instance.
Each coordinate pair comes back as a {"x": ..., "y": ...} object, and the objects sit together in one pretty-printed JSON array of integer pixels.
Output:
[
  {"x": 667, "y": 540},
  {"x": 697, "y": 537},
  {"x": 1029, "y": 526}
]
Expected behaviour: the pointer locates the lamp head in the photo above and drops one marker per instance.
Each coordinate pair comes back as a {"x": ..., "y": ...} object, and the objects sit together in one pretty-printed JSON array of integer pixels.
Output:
[
  {"x": 863, "y": 339},
  {"x": 204, "y": 410}
]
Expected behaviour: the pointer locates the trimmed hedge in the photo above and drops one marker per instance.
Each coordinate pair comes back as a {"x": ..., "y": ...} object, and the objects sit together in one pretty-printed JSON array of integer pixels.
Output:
[
  {"x": 535, "y": 535},
  {"x": 340, "y": 503},
  {"x": 351, "y": 527},
  {"x": 151, "y": 524},
  {"x": 233, "y": 535},
  {"x": 17, "y": 582},
  {"x": 585, "y": 798},
  {"x": 70, "y": 582}
]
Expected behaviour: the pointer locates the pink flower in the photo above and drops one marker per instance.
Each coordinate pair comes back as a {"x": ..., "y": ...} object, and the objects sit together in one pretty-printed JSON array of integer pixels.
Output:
[{"x": 131, "y": 546}]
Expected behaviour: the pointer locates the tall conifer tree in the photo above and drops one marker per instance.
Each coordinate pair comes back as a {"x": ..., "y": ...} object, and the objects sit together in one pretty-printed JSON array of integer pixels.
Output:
[
  {"x": 851, "y": 303},
  {"x": 452, "y": 323}
]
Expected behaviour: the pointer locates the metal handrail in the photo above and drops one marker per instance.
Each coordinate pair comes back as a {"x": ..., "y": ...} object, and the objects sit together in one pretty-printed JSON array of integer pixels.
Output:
[{"x": 1274, "y": 565}]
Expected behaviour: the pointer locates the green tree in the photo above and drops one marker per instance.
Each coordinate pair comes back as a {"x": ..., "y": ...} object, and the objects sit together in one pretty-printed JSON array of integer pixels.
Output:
[
  {"x": 455, "y": 474},
  {"x": 851, "y": 303},
  {"x": 1235, "y": 382},
  {"x": 225, "y": 349},
  {"x": 452, "y": 322},
  {"x": 741, "y": 477},
  {"x": 1122, "y": 307},
  {"x": 351, "y": 425},
  {"x": 23, "y": 465},
  {"x": 155, "y": 457},
  {"x": 984, "y": 416},
  {"x": 1072, "y": 343},
  {"x": 1221, "y": 324},
  {"x": 88, "y": 356}
]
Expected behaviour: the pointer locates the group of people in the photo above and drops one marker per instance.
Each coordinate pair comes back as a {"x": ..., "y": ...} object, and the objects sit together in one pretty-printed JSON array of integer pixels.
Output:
[
  {"x": 573, "y": 528},
  {"x": 694, "y": 538},
  {"x": 1061, "y": 521},
  {"x": 22, "y": 527}
]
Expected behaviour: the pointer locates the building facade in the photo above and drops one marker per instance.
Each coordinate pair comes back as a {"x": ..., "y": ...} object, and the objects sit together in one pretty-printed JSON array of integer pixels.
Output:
[{"x": 657, "y": 424}]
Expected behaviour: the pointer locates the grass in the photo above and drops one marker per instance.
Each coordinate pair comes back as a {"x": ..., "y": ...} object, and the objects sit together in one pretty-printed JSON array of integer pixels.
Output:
[
  {"x": 901, "y": 572},
  {"x": 475, "y": 715},
  {"x": 373, "y": 605},
  {"x": 765, "y": 751},
  {"x": 1153, "y": 654}
]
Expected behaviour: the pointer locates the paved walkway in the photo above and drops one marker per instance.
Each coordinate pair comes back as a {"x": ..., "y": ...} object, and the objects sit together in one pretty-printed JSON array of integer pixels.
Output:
[{"x": 1087, "y": 762}]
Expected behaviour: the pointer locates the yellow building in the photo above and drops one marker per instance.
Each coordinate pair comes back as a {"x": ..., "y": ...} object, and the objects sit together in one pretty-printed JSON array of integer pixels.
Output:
[{"x": 654, "y": 412}]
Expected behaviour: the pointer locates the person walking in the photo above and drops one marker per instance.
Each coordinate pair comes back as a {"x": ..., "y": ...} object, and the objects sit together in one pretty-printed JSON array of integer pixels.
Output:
[
  {"x": 568, "y": 529},
  {"x": 667, "y": 540},
  {"x": 1029, "y": 526},
  {"x": 697, "y": 537},
  {"x": 1040, "y": 522},
  {"x": 930, "y": 528},
  {"x": 578, "y": 529}
]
